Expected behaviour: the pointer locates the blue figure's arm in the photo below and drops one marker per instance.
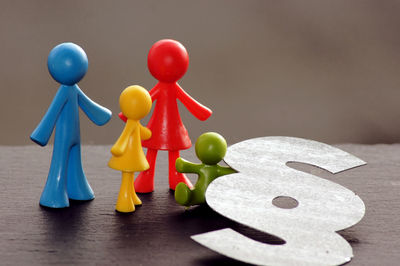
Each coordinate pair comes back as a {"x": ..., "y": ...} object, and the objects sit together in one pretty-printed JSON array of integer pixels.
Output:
[
  {"x": 42, "y": 133},
  {"x": 97, "y": 113}
]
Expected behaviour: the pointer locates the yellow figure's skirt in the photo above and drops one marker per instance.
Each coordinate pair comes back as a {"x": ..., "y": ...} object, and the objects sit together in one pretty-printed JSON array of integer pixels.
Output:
[{"x": 133, "y": 159}]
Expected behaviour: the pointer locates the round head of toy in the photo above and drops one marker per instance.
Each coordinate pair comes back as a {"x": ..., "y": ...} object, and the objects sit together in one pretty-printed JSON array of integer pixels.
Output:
[
  {"x": 135, "y": 102},
  {"x": 210, "y": 148},
  {"x": 67, "y": 63},
  {"x": 168, "y": 60}
]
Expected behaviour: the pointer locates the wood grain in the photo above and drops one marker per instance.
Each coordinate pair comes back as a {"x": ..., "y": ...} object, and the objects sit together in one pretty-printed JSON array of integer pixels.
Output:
[{"x": 158, "y": 233}]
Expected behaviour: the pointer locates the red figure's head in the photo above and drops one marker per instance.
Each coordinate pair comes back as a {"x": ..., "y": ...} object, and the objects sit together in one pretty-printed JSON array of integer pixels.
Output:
[{"x": 168, "y": 60}]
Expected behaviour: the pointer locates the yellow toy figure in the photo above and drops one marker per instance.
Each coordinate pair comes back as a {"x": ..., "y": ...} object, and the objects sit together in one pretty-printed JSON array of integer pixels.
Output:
[{"x": 128, "y": 157}]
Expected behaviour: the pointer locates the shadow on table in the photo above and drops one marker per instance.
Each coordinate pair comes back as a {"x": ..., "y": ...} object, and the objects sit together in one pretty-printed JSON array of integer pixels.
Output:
[
  {"x": 64, "y": 228},
  {"x": 206, "y": 220},
  {"x": 218, "y": 260},
  {"x": 202, "y": 219}
]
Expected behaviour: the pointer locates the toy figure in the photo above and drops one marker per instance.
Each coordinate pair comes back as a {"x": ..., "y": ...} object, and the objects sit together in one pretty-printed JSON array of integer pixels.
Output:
[
  {"x": 67, "y": 64},
  {"x": 168, "y": 61},
  {"x": 128, "y": 156},
  {"x": 210, "y": 149}
]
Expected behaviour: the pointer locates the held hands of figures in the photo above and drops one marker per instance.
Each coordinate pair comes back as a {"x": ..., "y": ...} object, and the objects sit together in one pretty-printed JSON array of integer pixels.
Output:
[{"x": 116, "y": 150}]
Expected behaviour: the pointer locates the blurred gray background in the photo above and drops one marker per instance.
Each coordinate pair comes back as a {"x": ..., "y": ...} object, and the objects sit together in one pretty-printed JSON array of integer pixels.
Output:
[{"x": 324, "y": 70}]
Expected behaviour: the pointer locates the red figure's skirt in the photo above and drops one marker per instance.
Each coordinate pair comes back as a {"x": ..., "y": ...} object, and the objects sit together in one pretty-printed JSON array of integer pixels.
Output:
[{"x": 167, "y": 129}]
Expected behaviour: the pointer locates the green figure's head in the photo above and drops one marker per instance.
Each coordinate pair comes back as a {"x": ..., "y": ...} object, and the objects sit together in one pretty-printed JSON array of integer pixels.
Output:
[{"x": 210, "y": 148}]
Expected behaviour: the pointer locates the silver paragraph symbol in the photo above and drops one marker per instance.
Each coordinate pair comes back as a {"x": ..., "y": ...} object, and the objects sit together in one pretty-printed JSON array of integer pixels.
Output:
[{"x": 309, "y": 229}]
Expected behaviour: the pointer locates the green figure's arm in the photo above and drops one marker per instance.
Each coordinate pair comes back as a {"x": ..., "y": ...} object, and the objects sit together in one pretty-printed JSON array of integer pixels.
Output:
[
  {"x": 222, "y": 170},
  {"x": 183, "y": 166}
]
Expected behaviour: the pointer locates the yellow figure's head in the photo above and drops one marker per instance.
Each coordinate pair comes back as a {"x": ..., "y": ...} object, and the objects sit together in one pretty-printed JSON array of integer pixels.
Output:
[{"x": 135, "y": 102}]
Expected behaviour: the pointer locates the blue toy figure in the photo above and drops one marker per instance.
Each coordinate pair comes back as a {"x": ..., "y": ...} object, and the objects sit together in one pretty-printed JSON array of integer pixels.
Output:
[{"x": 67, "y": 64}]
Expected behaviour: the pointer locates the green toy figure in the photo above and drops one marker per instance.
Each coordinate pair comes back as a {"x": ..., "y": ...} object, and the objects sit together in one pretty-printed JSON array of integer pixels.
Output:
[{"x": 210, "y": 149}]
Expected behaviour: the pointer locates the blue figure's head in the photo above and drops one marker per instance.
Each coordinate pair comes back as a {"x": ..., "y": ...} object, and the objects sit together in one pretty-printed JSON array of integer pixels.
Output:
[{"x": 67, "y": 63}]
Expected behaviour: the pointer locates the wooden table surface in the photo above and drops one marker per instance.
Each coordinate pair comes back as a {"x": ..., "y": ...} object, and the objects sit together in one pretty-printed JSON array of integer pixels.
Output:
[{"x": 158, "y": 233}]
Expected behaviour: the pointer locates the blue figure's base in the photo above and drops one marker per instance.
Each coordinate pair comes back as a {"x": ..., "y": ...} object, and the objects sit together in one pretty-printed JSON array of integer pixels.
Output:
[
  {"x": 78, "y": 187},
  {"x": 60, "y": 205},
  {"x": 52, "y": 206},
  {"x": 52, "y": 203},
  {"x": 66, "y": 179},
  {"x": 83, "y": 197}
]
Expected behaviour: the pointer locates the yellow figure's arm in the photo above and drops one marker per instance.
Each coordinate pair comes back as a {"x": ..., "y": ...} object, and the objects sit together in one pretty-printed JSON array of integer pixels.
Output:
[
  {"x": 145, "y": 133},
  {"x": 119, "y": 147}
]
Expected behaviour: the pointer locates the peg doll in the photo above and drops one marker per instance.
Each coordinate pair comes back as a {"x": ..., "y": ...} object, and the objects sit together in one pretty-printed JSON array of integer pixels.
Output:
[
  {"x": 127, "y": 152},
  {"x": 210, "y": 148},
  {"x": 168, "y": 61},
  {"x": 67, "y": 64}
]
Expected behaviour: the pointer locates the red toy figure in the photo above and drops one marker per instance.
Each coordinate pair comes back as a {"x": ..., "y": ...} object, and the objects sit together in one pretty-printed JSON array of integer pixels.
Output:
[{"x": 168, "y": 61}]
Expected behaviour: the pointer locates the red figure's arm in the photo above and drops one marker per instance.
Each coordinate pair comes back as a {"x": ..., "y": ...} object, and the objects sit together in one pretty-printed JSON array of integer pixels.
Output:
[
  {"x": 153, "y": 94},
  {"x": 123, "y": 118},
  {"x": 200, "y": 111}
]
